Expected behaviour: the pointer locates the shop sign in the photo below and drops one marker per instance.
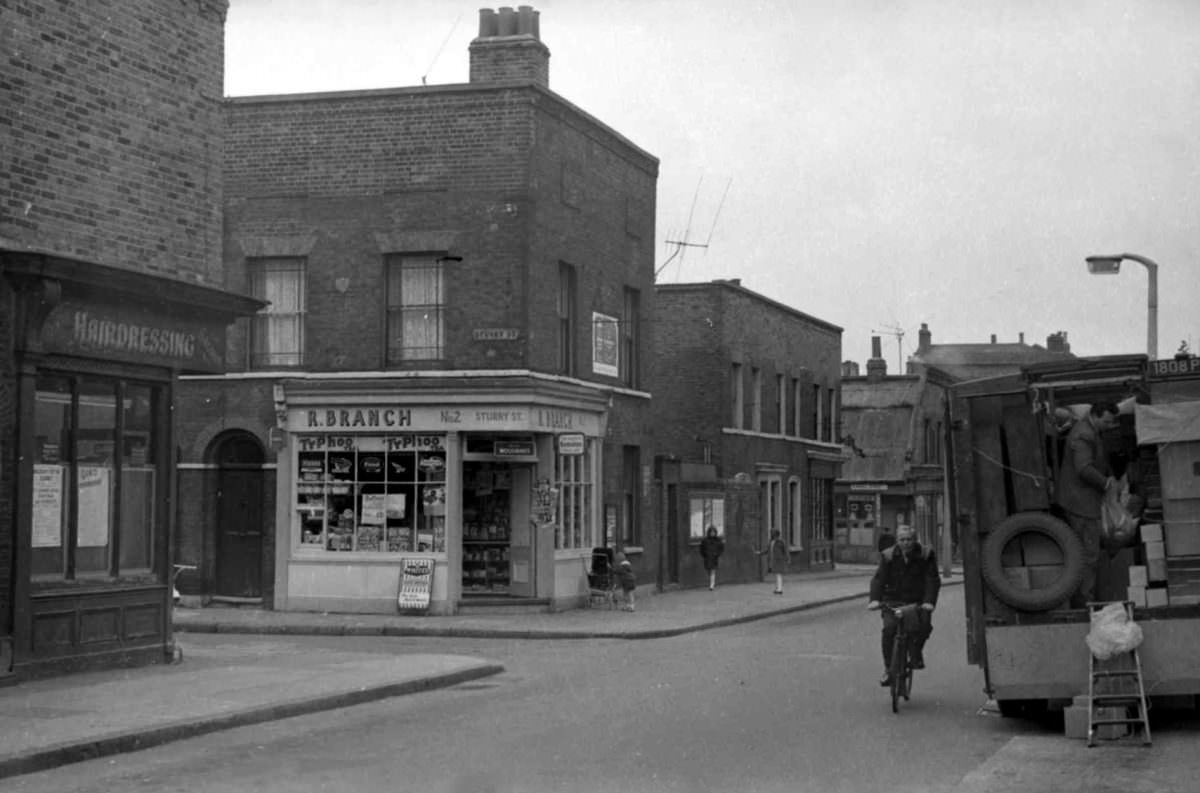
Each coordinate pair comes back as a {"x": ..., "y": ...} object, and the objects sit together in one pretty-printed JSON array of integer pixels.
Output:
[
  {"x": 1175, "y": 367},
  {"x": 605, "y": 335},
  {"x": 136, "y": 336},
  {"x": 495, "y": 334},
  {"x": 868, "y": 488},
  {"x": 416, "y": 583},
  {"x": 459, "y": 418},
  {"x": 570, "y": 444},
  {"x": 509, "y": 448}
]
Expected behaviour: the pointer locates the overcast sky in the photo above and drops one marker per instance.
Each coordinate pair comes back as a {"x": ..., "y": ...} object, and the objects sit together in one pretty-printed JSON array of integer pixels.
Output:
[{"x": 873, "y": 163}]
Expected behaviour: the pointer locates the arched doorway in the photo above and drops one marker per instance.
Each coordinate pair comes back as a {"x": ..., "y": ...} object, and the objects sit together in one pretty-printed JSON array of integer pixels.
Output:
[{"x": 238, "y": 515}]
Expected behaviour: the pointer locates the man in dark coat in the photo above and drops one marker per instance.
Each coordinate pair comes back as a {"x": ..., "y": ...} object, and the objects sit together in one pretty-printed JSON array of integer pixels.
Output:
[
  {"x": 907, "y": 573},
  {"x": 1083, "y": 477}
]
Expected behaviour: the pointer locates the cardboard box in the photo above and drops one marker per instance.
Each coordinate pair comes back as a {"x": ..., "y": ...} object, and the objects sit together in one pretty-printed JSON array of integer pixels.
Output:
[
  {"x": 1075, "y": 721},
  {"x": 1156, "y": 569},
  {"x": 1156, "y": 597},
  {"x": 1182, "y": 539},
  {"x": 1151, "y": 532},
  {"x": 1137, "y": 594},
  {"x": 1137, "y": 575},
  {"x": 1179, "y": 469},
  {"x": 1154, "y": 550}
]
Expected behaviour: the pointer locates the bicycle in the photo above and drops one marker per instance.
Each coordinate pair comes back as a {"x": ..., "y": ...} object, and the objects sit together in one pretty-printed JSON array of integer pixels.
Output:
[{"x": 901, "y": 669}]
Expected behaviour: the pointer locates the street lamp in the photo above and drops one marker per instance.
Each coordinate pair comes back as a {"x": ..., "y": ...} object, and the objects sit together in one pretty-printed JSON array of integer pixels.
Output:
[{"x": 1111, "y": 265}]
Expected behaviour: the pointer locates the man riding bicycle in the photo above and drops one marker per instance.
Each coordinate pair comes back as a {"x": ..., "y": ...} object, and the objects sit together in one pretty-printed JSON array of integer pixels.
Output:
[{"x": 907, "y": 573}]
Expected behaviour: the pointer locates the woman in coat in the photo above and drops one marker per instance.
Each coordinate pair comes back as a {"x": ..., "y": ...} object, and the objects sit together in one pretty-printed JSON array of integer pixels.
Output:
[
  {"x": 778, "y": 558},
  {"x": 711, "y": 548}
]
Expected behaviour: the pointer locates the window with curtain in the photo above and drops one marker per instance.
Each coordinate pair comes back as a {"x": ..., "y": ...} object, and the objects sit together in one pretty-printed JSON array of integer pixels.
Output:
[
  {"x": 565, "y": 307},
  {"x": 277, "y": 331},
  {"x": 416, "y": 308},
  {"x": 630, "y": 338},
  {"x": 95, "y": 476}
]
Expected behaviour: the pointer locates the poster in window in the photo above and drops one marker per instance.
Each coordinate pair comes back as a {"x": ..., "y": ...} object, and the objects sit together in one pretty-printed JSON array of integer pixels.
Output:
[
  {"x": 94, "y": 507},
  {"x": 605, "y": 344},
  {"x": 47, "y": 506},
  {"x": 373, "y": 509},
  {"x": 395, "y": 504}
]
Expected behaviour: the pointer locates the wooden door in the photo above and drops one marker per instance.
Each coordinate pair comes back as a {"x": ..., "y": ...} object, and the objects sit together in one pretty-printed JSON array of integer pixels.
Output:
[{"x": 239, "y": 532}]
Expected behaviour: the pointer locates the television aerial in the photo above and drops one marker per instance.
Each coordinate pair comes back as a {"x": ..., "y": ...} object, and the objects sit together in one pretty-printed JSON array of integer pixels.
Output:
[{"x": 681, "y": 245}]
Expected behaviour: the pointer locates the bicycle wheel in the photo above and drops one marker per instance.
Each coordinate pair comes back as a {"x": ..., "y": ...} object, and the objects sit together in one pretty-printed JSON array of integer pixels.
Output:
[
  {"x": 908, "y": 676},
  {"x": 897, "y": 671}
]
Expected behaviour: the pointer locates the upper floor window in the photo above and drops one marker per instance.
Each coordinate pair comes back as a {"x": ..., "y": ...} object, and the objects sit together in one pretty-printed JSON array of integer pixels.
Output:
[
  {"x": 630, "y": 340},
  {"x": 781, "y": 403},
  {"x": 416, "y": 308},
  {"x": 737, "y": 403},
  {"x": 797, "y": 405},
  {"x": 756, "y": 399},
  {"x": 277, "y": 331},
  {"x": 565, "y": 307}
]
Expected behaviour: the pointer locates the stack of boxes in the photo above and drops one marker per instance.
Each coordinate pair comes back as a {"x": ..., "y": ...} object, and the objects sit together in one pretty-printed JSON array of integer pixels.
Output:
[{"x": 1171, "y": 550}]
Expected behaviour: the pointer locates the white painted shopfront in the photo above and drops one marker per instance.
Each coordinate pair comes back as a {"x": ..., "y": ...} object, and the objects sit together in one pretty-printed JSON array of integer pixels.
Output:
[{"x": 501, "y": 495}]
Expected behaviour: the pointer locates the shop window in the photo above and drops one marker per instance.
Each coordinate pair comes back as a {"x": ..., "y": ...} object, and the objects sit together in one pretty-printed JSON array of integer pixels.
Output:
[
  {"x": 576, "y": 493},
  {"x": 277, "y": 331},
  {"x": 372, "y": 493},
  {"x": 416, "y": 304},
  {"x": 95, "y": 477},
  {"x": 705, "y": 511}
]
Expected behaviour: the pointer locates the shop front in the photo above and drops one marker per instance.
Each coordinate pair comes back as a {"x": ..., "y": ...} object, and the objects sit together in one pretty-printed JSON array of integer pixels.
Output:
[
  {"x": 96, "y": 352},
  {"x": 493, "y": 494}
]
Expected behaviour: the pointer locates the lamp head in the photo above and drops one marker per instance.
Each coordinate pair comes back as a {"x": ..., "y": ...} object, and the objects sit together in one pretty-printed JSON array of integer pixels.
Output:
[{"x": 1104, "y": 265}]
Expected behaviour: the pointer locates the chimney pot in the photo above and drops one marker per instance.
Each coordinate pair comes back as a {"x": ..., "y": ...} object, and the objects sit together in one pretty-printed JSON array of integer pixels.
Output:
[
  {"x": 508, "y": 22},
  {"x": 993, "y": 338},
  {"x": 1021, "y": 337},
  {"x": 487, "y": 23},
  {"x": 876, "y": 347},
  {"x": 924, "y": 339},
  {"x": 525, "y": 20}
]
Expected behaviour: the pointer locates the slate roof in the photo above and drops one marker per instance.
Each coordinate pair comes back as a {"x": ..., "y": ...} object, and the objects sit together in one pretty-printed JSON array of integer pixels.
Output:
[{"x": 973, "y": 361}]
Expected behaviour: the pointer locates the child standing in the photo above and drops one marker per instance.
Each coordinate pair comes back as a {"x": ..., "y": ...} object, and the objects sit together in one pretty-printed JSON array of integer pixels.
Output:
[
  {"x": 711, "y": 548},
  {"x": 778, "y": 558},
  {"x": 628, "y": 581}
]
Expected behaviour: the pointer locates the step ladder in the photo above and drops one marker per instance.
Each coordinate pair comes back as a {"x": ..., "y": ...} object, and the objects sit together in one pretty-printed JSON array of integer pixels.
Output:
[{"x": 1116, "y": 682}]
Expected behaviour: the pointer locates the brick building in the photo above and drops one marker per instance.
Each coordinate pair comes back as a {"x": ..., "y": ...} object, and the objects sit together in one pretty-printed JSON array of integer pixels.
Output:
[
  {"x": 450, "y": 372},
  {"x": 746, "y": 410},
  {"x": 111, "y": 284},
  {"x": 895, "y": 427}
]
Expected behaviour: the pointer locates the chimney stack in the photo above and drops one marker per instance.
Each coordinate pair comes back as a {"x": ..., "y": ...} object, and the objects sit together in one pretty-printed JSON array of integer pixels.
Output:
[
  {"x": 924, "y": 340},
  {"x": 1057, "y": 342},
  {"x": 850, "y": 369},
  {"x": 876, "y": 366},
  {"x": 1021, "y": 337},
  {"x": 993, "y": 338},
  {"x": 509, "y": 47}
]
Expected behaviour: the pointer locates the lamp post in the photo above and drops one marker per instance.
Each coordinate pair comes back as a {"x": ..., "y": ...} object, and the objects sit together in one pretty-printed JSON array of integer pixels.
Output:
[{"x": 1111, "y": 265}]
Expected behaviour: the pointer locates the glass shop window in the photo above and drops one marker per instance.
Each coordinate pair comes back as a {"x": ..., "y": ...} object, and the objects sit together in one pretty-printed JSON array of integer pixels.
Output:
[{"x": 95, "y": 476}]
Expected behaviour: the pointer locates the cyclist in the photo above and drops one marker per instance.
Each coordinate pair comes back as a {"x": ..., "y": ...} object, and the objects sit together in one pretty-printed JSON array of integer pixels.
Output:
[{"x": 907, "y": 573}]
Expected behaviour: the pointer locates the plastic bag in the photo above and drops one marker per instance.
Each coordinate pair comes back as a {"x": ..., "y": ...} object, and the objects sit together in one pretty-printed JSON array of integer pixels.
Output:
[
  {"x": 1118, "y": 527},
  {"x": 1113, "y": 632}
]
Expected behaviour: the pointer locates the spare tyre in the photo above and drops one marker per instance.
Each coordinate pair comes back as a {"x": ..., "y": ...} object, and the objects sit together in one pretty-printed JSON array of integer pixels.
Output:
[{"x": 1016, "y": 577}]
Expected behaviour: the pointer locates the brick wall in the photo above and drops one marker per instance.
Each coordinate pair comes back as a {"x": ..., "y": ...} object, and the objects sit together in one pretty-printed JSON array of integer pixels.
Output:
[
  {"x": 701, "y": 330},
  {"x": 113, "y": 152},
  {"x": 8, "y": 459}
]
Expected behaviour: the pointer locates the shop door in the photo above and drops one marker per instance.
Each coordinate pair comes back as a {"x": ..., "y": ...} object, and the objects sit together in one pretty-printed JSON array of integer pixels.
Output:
[
  {"x": 672, "y": 534},
  {"x": 239, "y": 523},
  {"x": 523, "y": 551}
]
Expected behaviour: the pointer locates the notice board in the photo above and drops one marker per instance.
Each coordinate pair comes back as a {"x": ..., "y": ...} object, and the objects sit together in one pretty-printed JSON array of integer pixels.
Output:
[{"x": 416, "y": 584}]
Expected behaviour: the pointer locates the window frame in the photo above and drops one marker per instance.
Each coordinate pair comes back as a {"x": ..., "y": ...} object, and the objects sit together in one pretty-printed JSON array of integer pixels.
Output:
[
  {"x": 574, "y": 479},
  {"x": 133, "y": 448},
  {"x": 261, "y": 334},
  {"x": 398, "y": 351}
]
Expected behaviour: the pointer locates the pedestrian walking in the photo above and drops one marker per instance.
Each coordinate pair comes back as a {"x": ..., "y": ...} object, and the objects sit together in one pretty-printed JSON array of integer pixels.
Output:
[
  {"x": 778, "y": 558},
  {"x": 711, "y": 548},
  {"x": 628, "y": 581}
]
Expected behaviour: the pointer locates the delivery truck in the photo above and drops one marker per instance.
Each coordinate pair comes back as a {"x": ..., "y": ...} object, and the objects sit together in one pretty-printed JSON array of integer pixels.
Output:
[{"x": 1021, "y": 560}]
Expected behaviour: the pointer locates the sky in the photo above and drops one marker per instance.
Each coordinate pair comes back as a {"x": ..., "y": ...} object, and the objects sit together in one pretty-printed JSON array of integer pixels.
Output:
[{"x": 877, "y": 164}]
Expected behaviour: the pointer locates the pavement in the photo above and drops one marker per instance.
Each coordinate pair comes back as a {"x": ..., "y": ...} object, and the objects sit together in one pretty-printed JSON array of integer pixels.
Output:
[{"x": 215, "y": 686}]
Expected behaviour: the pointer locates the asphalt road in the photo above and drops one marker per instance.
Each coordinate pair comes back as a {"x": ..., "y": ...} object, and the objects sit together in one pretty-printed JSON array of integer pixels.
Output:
[{"x": 786, "y": 704}]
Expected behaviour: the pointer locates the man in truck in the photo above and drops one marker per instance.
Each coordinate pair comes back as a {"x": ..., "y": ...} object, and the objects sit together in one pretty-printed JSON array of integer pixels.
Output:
[{"x": 1083, "y": 478}]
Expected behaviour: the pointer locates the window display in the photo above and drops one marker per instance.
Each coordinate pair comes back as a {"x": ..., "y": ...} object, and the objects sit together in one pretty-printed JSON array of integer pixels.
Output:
[{"x": 372, "y": 493}]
